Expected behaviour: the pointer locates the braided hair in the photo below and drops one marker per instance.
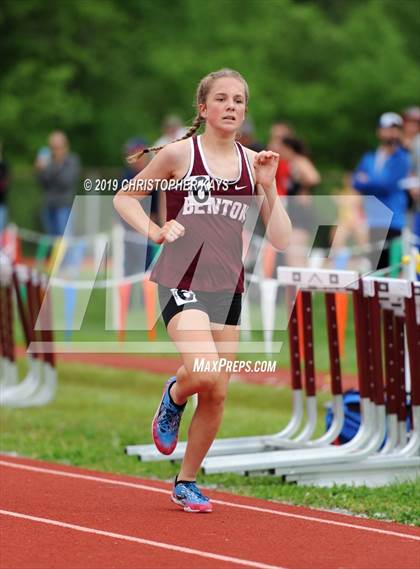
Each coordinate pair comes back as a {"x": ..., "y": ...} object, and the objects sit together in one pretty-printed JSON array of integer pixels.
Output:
[{"x": 203, "y": 90}]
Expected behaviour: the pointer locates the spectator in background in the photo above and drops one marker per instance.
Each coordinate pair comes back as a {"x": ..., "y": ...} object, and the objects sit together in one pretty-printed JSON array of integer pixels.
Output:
[
  {"x": 133, "y": 145},
  {"x": 278, "y": 131},
  {"x": 411, "y": 138},
  {"x": 303, "y": 176},
  {"x": 247, "y": 136},
  {"x": 58, "y": 173},
  {"x": 138, "y": 253},
  {"x": 4, "y": 185},
  {"x": 380, "y": 173},
  {"x": 172, "y": 128},
  {"x": 411, "y": 127}
]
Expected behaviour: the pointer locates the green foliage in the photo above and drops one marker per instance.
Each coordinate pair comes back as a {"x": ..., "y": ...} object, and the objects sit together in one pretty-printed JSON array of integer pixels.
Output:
[{"x": 104, "y": 71}]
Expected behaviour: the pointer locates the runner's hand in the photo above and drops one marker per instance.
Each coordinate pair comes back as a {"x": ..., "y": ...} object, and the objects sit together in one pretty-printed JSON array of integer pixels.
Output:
[
  {"x": 265, "y": 164},
  {"x": 170, "y": 232}
]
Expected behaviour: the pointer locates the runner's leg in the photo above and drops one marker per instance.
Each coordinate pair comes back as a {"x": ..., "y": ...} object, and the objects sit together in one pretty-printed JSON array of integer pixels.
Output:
[{"x": 209, "y": 412}]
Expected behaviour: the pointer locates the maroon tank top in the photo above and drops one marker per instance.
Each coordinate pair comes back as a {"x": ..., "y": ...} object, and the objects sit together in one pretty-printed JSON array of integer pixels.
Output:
[{"x": 209, "y": 255}]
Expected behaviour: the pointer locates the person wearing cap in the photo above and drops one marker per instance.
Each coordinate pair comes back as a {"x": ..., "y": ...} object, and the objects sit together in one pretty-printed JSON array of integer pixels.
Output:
[{"x": 380, "y": 173}]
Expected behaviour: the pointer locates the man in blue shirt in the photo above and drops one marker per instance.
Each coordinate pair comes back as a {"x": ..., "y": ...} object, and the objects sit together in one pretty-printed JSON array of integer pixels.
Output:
[{"x": 380, "y": 173}]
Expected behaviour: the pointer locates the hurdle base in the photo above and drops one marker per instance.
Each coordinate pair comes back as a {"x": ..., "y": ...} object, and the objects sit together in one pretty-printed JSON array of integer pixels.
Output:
[
  {"x": 220, "y": 447},
  {"x": 366, "y": 473}
]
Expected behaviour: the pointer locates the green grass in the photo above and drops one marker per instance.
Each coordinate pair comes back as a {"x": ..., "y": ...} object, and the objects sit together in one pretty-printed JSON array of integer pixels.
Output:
[{"x": 98, "y": 411}]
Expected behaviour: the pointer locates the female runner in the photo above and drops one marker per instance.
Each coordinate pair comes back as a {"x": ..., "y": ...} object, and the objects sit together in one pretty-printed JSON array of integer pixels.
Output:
[{"x": 212, "y": 179}]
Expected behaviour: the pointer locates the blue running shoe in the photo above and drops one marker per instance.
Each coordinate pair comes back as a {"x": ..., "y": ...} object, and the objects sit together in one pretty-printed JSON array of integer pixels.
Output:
[
  {"x": 165, "y": 424},
  {"x": 188, "y": 496}
]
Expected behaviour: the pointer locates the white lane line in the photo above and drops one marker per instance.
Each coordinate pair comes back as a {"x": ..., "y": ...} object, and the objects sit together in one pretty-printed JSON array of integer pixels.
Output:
[
  {"x": 158, "y": 544},
  {"x": 221, "y": 502}
]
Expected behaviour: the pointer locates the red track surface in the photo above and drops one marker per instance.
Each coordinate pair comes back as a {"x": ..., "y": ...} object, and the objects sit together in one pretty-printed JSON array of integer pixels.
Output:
[{"x": 58, "y": 517}]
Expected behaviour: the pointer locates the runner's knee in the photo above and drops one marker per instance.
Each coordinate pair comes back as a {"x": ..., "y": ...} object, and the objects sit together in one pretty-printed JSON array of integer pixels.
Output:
[
  {"x": 206, "y": 381},
  {"x": 216, "y": 394}
]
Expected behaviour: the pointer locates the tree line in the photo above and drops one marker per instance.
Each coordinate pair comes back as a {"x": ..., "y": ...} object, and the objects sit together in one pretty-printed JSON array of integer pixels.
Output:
[{"x": 105, "y": 70}]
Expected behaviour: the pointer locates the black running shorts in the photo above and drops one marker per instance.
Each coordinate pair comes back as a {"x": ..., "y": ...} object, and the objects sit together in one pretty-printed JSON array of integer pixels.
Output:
[{"x": 221, "y": 307}]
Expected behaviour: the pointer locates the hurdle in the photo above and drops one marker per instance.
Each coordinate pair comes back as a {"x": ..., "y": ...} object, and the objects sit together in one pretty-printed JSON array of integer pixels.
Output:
[
  {"x": 360, "y": 460},
  {"x": 399, "y": 457},
  {"x": 8, "y": 369},
  {"x": 376, "y": 418},
  {"x": 38, "y": 387},
  {"x": 289, "y": 437}
]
